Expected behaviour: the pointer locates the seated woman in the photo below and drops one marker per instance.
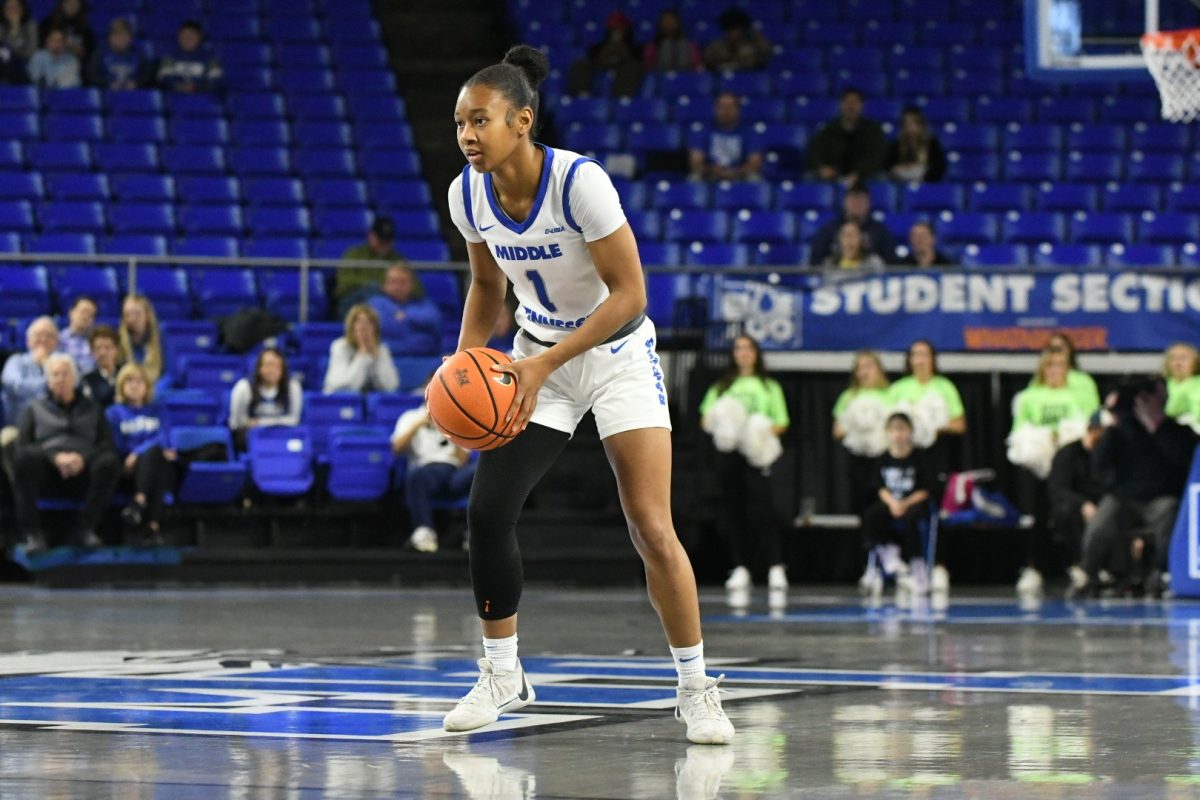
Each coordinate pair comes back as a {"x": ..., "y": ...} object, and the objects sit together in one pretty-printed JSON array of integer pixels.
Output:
[
  {"x": 1181, "y": 368},
  {"x": 141, "y": 341},
  {"x": 147, "y": 462},
  {"x": 858, "y": 421},
  {"x": 850, "y": 250},
  {"x": 268, "y": 397},
  {"x": 360, "y": 361}
]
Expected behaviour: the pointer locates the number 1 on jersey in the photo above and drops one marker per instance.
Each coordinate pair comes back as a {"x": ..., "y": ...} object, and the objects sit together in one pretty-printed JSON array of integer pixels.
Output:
[{"x": 539, "y": 286}]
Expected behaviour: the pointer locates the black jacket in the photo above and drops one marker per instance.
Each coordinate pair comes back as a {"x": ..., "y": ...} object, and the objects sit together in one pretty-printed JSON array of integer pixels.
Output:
[
  {"x": 54, "y": 428},
  {"x": 101, "y": 389},
  {"x": 1141, "y": 466},
  {"x": 1074, "y": 478},
  {"x": 862, "y": 151}
]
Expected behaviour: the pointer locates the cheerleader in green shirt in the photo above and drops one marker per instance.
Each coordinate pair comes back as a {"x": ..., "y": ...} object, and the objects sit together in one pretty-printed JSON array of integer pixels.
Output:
[
  {"x": 747, "y": 502},
  {"x": 1181, "y": 365},
  {"x": 1079, "y": 382},
  {"x": 867, "y": 380},
  {"x": 921, "y": 377}
]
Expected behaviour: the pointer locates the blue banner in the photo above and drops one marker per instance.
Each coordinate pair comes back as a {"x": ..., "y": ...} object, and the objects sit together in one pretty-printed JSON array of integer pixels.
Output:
[
  {"x": 1132, "y": 310},
  {"x": 1184, "y": 558}
]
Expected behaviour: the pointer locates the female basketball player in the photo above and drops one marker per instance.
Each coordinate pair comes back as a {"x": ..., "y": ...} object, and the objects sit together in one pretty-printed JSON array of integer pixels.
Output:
[{"x": 550, "y": 221}]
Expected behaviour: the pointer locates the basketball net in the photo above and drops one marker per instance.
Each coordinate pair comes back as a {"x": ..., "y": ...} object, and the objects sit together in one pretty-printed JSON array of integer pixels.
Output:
[{"x": 1174, "y": 60}]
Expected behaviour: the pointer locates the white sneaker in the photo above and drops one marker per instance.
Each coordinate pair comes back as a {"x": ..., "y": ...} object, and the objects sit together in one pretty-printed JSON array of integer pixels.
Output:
[
  {"x": 1030, "y": 582},
  {"x": 424, "y": 540},
  {"x": 871, "y": 582},
  {"x": 698, "y": 777},
  {"x": 494, "y": 693},
  {"x": 485, "y": 778},
  {"x": 777, "y": 577},
  {"x": 889, "y": 559},
  {"x": 1079, "y": 578},
  {"x": 699, "y": 707},
  {"x": 738, "y": 579},
  {"x": 939, "y": 581}
]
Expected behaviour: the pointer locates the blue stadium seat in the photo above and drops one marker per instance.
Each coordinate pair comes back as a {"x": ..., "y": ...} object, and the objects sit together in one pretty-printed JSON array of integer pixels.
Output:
[
  {"x": 841, "y": 57},
  {"x": 143, "y": 188},
  {"x": 1168, "y": 228},
  {"x": 1032, "y": 137},
  {"x": 72, "y": 101},
  {"x": 96, "y": 282},
  {"x": 77, "y": 186},
  {"x": 442, "y": 287},
  {"x": 1003, "y": 110},
  {"x": 1130, "y": 109},
  {"x": 338, "y": 193},
  {"x": 687, "y": 110},
  {"x": 1093, "y": 167},
  {"x": 664, "y": 254},
  {"x": 754, "y": 195},
  {"x": 402, "y": 193},
  {"x": 66, "y": 216},
  {"x": 679, "y": 194},
  {"x": 201, "y": 190},
  {"x": 151, "y": 218},
  {"x": 653, "y": 138},
  {"x": 1096, "y": 138},
  {"x": 213, "y": 372},
  {"x": 995, "y": 255},
  {"x": 382, "y": 133},
  {"x": 940, "y": 110},
  {"x": 270, "y": 221},
  {"x": 814, "y": 111},
  {"x": 24, "y": 291},
  {"x": 261, "y": 133},
  {"x": 281, "y": 460},
  {"x": 195, "y": 105},
  {"x": 285, "y": 192},
  {"x": 73, "y": 127},
  {"x": 134, "y": 103},
  {"x": 967, "y": 137},
  {"x": 1179, "y": 197},
  {"x": 412, "y": 224},
  {"x": 135, "y": 244},
  {"x": 749, "y": 83},
  {"x": 60, "y": 156},
  {"x": 1122, "y": 256},
  {"x": 646, "y": 225},
  {"x": 388, "y": 164},
  {"x": 148, "y": 130},
  {"x": 261, "y": 161},
  {"x": 189, "y": 337},
  {"x": 1003, "y": 197},
  {"x": 754, "y": 227},
  {"x": 211, "y": 220},
  {"x": 911, "y": 57},
  {"x": 1189, "y": 255},
  {"x": 376, "y": 108},
  {"x": 910, "y": 83},
  {"x": 20, "y": 98},
  {"x": 384, "y": 408},
  {"x": 325, "y": 162},
  {"x": 10, "y": 242},
  {"x": 1021, "y": 166},
  {"x": 281, "y": 294},
  {"x": 1160, "y": 136},
  {"x": 82, "y": 243},
  {"x": 781, "y": 255},
  {"x": 201, "y": 131},
  {"x": 322, "y": 412},
  {"x": 277, "y": 247},
  {"x": 1032, "y": 228},
  {"x": 17, "y": 186},
  {"x": 1100, "y": 228},
  {"x": 352, "y": 30},
  {"x": 246, "y": 107},
  {"x": 899, "y": 223},
  {"x": 233, "y": 27},
  {"x": 1066, "y": 197},
  {"x": 310, "y": 108},
  {"x": 964, "y": 83},
  {"x": 323, "y": 133},
  {"x": 314, "y": 338},
  {"x": 965, "y": 167},
  {"x": 167, "y": 288},
  {"x": 431, "y": 250},
  {"x": 1135, "y": 197},
  {"x": 1155, "y": 167},
  {"x": 692, "y": 225},
  {"x": 932, "y": 197},
  {"x": 966, "y": 228},
  {"x": 1049, "y": 254},
  {"x": 640, "y": 109},
  {"x": 583, "y": 109},
  {"x": 219, "y": 292},
  {"x": 1066, "y": 110},
  {"x": 716, "y": 254},
  {"x": 365, "y": 83},
  {"x": 21, "y": 125},
  {"x": 360, "y": 464},
  {"x": 251, "y": 54},
  {"x": 601, "y": 138},
  {"x": 127, "y": 157},
  {"x": 188, "y": 159},
  {"x": 12, "y": 156},
  {"x": 337, "y": 222},
  {"x": 415, "y": 370},
  {"x": 360, "y": 58},
  {"x": 17, "y": 216}
]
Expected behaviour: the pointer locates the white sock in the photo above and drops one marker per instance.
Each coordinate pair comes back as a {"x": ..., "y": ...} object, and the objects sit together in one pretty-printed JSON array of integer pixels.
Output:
[
  {"x": 501, "y": 652},
  {"x": 689, "y": 661}
]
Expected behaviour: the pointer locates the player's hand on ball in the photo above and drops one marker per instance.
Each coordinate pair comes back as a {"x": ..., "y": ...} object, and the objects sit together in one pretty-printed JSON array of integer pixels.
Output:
[{"x": 530, "y": 374}]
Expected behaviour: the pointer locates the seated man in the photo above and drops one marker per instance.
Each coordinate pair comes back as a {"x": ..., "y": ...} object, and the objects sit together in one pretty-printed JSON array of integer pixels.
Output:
[
  {"x": 725, "y": 150},
  {"x": 856, "y": 207},
  {"x": 23, "y": 378},
  {"x": 64, "y": 446},
  {"x": 891, "y": 524},
  {"x": 410, "y": 322},
  {"x": 437, "y": 470},
  {"x": 850, "y": 148},
  {"x": 1144, "y": 456},
  {"x": 193, "y": 65},
  {"x": 358, "y": 284},
  {"x": 1075, "y": 486},
  {"x": 922, "y": 248},
  {"x": 74, "y": 340}
]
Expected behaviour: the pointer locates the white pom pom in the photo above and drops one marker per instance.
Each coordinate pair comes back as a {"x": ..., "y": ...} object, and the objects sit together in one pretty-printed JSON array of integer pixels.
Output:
[
  {"x": 1071, "y": 429},
  {"x": 933, "y": 407},
  {"x": 758, "y": 442},
  {"x": 1191, "y": 421},
  {"x": 863, "y": 422},
  {"x": 724, "y": 421},
  {"x": 1032, "y": 447}
]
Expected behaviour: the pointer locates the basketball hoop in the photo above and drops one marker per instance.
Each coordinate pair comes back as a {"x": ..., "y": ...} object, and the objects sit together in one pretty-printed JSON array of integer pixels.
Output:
[{"x": 1174, "y": 60}]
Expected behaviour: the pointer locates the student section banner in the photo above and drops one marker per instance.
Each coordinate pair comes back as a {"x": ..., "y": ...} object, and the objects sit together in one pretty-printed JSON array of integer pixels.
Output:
[{"x": 958, "y": 311}]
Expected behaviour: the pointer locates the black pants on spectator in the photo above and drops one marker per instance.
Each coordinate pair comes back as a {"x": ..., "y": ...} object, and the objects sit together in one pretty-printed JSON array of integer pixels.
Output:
[
  {"x": 1118, "y": 520},
  {"x": 880, "y": 527},
  {"x": 153, "y": 476},
  {"x": 36, "y": 476},
  {"x": 860, "y": 474},
  {"x": 1033, "y": 499},
  {"x": 1066, "y": 520},
  {"x": 747, "y": 514}
]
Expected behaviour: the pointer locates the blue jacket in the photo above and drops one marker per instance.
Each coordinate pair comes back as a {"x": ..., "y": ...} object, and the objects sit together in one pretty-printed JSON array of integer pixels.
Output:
[
  {"x": 412, "y": 328},
  {"x": 199, "y": 67},
  {"x": 136, "y": 430},
  {"x": 107, "y": 67}
]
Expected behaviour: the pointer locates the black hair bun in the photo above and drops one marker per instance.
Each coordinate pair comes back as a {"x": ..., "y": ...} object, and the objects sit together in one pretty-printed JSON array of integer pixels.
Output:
[{"x": 529, "y": 60}]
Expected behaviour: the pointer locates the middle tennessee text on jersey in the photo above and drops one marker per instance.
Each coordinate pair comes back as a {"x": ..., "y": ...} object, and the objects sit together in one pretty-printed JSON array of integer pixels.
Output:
[{"x": 545, "y": 256}]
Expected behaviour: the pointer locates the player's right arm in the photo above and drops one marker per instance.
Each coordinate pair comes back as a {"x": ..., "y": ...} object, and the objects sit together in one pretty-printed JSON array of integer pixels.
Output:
[{"x": 485, "y": 297}]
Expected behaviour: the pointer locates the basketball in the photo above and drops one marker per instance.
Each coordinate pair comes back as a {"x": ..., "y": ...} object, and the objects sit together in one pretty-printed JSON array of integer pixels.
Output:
[{"x": 467, "y": 400}]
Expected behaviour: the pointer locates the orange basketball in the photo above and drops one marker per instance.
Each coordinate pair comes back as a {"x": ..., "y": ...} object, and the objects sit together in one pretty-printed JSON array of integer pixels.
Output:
[{"x": 467, "y": 400}]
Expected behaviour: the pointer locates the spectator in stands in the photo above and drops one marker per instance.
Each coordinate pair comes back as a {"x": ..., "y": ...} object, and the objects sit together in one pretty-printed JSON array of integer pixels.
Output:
[
  {"x": 23, "y": 378},
  {"x": 725, "y": 150},
  {"x": 74, "y": 340},
  {"x": 268, "y": 397},
  {"x": 1145, "y": 457},
  {"x": 358, "y": 284},
  {"x": 740, "y": 47},
  {"x": 891, "y": 524},
  {"x": 855, "y": 417},
  {"x": 118, "y": 65},
  {"x": 922, "y": 248},
  {"x": 1181, "y": 368},
  {"x": 437, "y": 470},
  {"x": 54, "y": 66},
  {"x": 1078, "y": 381},
  {"x": 193, "y": 66},
  {"x": 850, "y": 148},
  {"x": 670, "y": 50},
  {"x": 360, "y": 361},
  {"x": 410, "y": 322},
  {"x": 64, "y": 446},
  {"x": 851, "y": 251},
  {"x": 143, "y": 450},
  {"x": 618, "y": 54},
  {"x": 100, "y": 384},
  {"x": 1075, "y": 487},
  {"x": 18, "y": 31},
  {"x": 1051, "y": 405},
  {"x": 141, "y": 341},
  {"x": 856, "y": 207},
  {"x": 745, "y": 404},
  {"x": 921, "y": 378},
  {"x": 70, "y": 16},
  {"x": 916, "y": 155},
  {"x": 12, "y": 68}
]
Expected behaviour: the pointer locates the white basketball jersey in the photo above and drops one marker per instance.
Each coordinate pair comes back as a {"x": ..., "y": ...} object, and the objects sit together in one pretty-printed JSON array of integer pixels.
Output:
[{"x": 546, "y": 256}]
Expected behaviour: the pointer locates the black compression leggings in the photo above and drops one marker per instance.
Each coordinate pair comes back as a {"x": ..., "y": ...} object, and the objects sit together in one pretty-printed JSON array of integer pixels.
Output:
[{"x": 503, "y": 481}]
